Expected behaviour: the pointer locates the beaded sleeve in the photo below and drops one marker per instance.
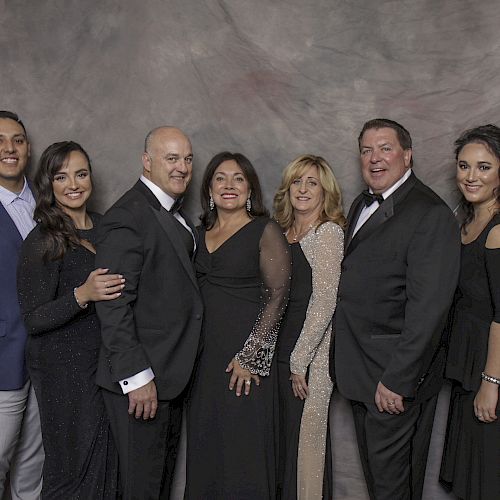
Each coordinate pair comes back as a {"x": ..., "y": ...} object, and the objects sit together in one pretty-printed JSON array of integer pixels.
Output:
[
  {"x": 275, "y": 270},
  {"x": 324, "y": 251}
]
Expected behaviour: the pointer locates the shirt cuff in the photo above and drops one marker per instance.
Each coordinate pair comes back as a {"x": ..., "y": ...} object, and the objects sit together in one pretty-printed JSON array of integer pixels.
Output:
[{"x": 138, "y": 380}]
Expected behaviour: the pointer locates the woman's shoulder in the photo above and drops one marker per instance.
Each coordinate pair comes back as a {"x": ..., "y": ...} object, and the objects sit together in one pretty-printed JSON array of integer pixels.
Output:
[
  {"x": 34, "y": 244},
  {"x": 268, "y": 224},
  {"x": 493, "y": 237},
  {"x": 329, "y": 230},
  {"x": 330, "y": 227}
]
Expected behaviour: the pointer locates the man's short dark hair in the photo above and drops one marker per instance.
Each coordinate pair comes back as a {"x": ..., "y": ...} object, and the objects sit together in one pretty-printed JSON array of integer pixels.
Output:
[
  {"x": 12, "y": 116},
  {"x": 404, "y": 136}
]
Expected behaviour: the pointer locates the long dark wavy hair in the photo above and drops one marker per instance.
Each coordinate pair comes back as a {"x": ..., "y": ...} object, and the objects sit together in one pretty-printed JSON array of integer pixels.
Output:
[
  {"x": 489, "y": 137},
  {"x": 57, "y": 227},
  {"x": 208, "y": 217}
]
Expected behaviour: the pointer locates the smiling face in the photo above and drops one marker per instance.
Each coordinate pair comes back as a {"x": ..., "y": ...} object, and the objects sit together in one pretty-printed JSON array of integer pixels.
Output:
[
  {"x": 383, "y": 160},
  {"x": 72, "y": 184},
  {"x": 229, "y": 187},
  {"x": 169, "y": 161},
  {"x": 477, "y": 174},
  {"x": 14, "y": 154},
  {"x": 306, "y": 192}
]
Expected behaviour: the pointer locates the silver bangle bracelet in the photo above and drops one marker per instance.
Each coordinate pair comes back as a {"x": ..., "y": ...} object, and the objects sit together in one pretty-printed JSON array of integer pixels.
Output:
[
  {"x": 81, "y": 306},
  {"x": 489, "y": 378}
]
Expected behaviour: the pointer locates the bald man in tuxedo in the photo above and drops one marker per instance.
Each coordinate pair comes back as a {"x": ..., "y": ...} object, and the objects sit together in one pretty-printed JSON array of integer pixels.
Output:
[{"x": 151, "y": 333}]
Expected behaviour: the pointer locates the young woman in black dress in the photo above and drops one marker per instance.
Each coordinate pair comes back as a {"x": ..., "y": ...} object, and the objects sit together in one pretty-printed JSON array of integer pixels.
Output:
[
  {"x": 57, "y": 286},
  {"x": 471, "y": 459},
  {"x": 243, "y": 269}
]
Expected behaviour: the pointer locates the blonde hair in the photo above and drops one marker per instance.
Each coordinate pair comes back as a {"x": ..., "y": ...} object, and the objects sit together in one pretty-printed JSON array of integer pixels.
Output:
[{"x": 332, "y": 199}]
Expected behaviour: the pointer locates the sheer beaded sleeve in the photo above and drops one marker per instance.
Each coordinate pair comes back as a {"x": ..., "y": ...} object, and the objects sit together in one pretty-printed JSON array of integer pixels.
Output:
[
  {"x": 324, "y": 251},
  {"x": 275, "y": 270},
  {"x": 43, "y": 306}
]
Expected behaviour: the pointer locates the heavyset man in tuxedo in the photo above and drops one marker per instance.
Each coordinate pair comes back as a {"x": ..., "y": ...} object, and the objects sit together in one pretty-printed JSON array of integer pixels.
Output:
[
  {"x": 399, "y": 273},
  {"x": 151, "y": 333},
  {"x": 21, "y": 450}
]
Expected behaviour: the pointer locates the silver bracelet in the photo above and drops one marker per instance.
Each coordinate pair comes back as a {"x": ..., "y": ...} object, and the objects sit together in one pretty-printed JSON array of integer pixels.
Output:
[
  {"x": 489, "y": 378},
  {"x": 81, "y": 306}
]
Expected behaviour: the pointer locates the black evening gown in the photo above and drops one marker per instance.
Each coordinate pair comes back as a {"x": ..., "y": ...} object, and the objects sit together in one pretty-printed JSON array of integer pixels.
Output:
[
  {"x": 471, "y": 458},
  {"x": 290, "y": 407},
  {"x": 230, "y": 439},
  {"x": 62, "y": 350}
]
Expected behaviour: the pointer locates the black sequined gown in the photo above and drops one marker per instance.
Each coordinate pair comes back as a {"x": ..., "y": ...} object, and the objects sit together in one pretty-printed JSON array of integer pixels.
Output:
[
  {"x": 231, "y": 440},
  {"x": 62, "y": 350}
]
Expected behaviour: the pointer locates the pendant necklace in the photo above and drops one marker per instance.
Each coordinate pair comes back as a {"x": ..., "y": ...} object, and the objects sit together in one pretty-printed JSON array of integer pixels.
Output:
[{"x": 296, "y": 236}]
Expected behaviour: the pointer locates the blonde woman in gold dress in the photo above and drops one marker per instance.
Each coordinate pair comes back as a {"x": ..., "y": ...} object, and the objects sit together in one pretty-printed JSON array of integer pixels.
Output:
[{"x": 308, "y": 207}]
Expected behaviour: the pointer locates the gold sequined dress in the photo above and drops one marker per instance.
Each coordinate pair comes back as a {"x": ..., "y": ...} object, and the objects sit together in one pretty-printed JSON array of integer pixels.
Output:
[
  {"x": 303, "y": 349},
  {"x": 230, "y": 439}
]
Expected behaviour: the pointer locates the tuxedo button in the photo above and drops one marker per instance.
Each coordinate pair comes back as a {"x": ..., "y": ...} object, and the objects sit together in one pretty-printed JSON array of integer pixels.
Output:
[
  {"x": 198, "y": 316},
  {"x": 339, "y": 298},
  {"x": 125, "y": 382}
]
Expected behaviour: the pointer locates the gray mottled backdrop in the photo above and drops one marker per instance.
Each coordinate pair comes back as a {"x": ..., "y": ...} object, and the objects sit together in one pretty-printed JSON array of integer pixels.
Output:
[{"x": 271, "y": 79}]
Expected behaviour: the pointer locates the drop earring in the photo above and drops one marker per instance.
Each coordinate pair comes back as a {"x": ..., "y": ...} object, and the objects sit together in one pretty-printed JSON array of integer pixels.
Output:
[
  {"x": 211, "y": 203},
  {"x": 249, "y": 205}
]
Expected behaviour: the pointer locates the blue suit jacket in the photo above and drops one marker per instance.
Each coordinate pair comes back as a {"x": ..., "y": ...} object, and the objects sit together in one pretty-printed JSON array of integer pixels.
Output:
[{"x": 12, "y": 332}]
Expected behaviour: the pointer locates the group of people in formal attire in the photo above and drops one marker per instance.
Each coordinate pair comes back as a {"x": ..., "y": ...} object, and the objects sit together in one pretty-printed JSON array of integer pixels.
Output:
[{"x": 113, "y": 327}]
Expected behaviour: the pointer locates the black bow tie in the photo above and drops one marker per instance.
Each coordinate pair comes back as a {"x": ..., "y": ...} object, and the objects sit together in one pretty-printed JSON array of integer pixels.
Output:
[
  {"x": 369, "y": 198},
  {"x": 177, "y": 205}
]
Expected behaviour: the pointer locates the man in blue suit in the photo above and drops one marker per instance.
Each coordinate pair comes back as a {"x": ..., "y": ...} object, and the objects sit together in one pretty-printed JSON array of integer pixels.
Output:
[{"x": 21, "y": 451}]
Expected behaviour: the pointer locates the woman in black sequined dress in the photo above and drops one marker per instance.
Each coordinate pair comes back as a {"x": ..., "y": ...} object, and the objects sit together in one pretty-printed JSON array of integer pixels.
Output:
[{"x": 57, "y": 285}]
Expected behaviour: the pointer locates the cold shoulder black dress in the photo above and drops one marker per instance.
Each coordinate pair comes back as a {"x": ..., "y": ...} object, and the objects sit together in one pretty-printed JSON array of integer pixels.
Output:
[
  {"x": 63, "y": 345},
  {"x": 471, "y": 457},
  {"x": 230, "y": 439}
]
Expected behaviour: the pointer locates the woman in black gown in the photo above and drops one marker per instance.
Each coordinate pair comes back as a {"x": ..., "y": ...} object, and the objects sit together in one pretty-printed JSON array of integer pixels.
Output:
[
  {"x": 471, "y": 459},
  {"x": 308, "y": 207},
  {"x": 57, "y": 286},
  {"x": 243, "y": 268}
]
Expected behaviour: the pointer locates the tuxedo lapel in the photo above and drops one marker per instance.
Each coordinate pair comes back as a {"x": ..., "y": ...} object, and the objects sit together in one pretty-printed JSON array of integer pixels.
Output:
[
  {"x": 193, "y": 230},
  {"x": 352, "y": 219},
  {"x": 383, "y": 213},
  {"x": 168, "y": 225}
]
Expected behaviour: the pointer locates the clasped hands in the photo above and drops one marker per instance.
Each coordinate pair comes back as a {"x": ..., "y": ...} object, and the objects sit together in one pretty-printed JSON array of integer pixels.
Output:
[{"x": 388, "y": 401}]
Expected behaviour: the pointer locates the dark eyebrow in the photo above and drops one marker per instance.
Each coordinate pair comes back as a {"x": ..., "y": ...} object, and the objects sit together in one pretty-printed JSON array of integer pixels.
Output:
[{"x": 15, "y": 136}]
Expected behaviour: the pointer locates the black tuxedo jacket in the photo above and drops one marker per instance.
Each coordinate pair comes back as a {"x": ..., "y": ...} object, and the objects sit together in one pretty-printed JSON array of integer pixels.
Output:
[
  {"x": 157, "y": 320},
  {"x": 399, "y": 275}
]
